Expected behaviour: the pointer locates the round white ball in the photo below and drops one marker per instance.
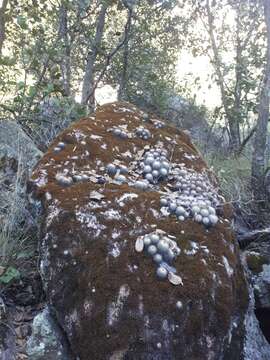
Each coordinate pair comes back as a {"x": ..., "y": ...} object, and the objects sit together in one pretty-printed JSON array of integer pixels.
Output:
[
  {"x": 157, "y": 258},
  {"x": 206, "y": 220},
  {"x": 198, "y": 218},
  {"x": 162, "y": 273},
  {"x": 155, "y": 173},
  {"x": 154, "y": 238},
  {"x": 180, "y": 211},
  {"x": 163, "y": 202},
  {"x": 163, "y": 246},
  {"x": 213, "y": 219},
  {"x": 163, "y": 172},
  {"x": 149, "y": 160},
  {"x": 147, "y": 169},
  {"x": 204, "y": 212},
  {"x": 149, "y": 177},
  {"x": 152, "y": 250},
  {"x": 172, "y": 206},
  {"x": 146, "y": 240},
  {"x": 156, "y": 165}
]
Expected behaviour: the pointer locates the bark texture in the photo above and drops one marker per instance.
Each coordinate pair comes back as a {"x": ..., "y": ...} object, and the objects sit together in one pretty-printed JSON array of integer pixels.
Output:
[
  {"x": 2, "y": 24},
  {"x": 231, "y": 114},
  {"x": 63, "y": 35},
  {"x": 88, "y": 80},
  {"x": 258, "y": 159}
]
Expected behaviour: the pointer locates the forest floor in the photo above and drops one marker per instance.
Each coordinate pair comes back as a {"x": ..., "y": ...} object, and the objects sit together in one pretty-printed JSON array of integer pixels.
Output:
[{"x": 21, "y": 299}]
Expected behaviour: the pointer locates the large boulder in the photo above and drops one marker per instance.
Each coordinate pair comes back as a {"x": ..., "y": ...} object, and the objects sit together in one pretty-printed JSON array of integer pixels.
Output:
[{"x": 103, "y": 226}]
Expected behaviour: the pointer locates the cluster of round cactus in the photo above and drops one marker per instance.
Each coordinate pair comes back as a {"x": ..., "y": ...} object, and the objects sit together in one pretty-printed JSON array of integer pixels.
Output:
[
  {"x": 80, "y": 177},
  {"x": 184, "y": 206},
  {"x": 194, "y": 197},
  {"x": 60, "y": 146},
  {"x": 120, "y": 133},
  {"x": 143, "y": 133},
  {"x": 113, "y": 169},
  {"x": 158, "y": 124},
  {"x": 163, "y": 251},
  {"x": 192, "y": 183},
  {"x": 141, "y": 184},
  {"x": 65, "y": 179},
  {"x": 155, "y": 165},
  {"x": 117, "y": 171}
]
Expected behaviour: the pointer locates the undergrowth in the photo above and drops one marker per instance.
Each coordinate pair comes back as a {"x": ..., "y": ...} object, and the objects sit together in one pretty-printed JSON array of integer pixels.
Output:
[
  {"x": 234, "y": 174},
  {"x": 17, "y": 235}
]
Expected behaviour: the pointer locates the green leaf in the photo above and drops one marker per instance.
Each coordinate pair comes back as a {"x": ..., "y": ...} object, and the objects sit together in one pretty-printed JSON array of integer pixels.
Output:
[
  {"x": 20, "y": 85},
  {"x": 7, "y": 61},
  {"x": 32, "y": 91},
  {"x": 10, "y": 274},
  {"x": 21, "y": 21},
  {"x": 49, "y": 88}
]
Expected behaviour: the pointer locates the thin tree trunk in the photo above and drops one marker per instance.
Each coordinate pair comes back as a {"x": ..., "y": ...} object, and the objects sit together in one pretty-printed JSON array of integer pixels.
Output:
[
  {"x": 63, "y": 35},
  {"x": 3, "y": 8},
  {"x": 238, "y": 79},
  {"x": 110, "y": 56},
  {"x": 233, "y": 124},
  {"x": 88, "y": 80},
  {"x": 258, "y": 158},
  {"x": 123, "y": 79}
]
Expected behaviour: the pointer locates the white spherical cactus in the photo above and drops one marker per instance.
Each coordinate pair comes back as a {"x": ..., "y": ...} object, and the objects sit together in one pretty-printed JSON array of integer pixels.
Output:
[
  {"x": 154, "y": 238},
  {"x": 158, "y": 258},
  {"x": 121, "y": 178},
  {"x": 163, "y": 246},
  {"x": 152, "y": 250},
  {"x": 147, "y": 240},
  {"x": 213, "y": 219},
  {"x": 162, "y": 273}
]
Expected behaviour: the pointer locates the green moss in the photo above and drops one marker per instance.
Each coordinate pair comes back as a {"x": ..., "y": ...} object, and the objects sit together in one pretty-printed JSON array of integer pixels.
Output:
[{"x": 256, "y": 261}]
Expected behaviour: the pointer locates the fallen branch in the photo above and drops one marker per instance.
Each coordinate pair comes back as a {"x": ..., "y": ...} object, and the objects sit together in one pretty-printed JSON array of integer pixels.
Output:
[
  {"x": 248, "y": 237},
  {"x": 246, "y": 140}
]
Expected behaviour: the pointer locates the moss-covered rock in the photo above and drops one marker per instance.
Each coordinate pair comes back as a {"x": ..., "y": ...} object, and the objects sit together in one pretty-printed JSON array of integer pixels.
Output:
[
  {"x": 255, "y": 261},
  {"x": 106, "y": 295},
  {"x": 46, "y": 341}
]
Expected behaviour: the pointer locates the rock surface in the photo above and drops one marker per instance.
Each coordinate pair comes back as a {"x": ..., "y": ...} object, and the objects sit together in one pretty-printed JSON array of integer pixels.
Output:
[
  {"x": 256, "y": 346},
  {"x": 46, "y": 341},
  {"x": 258, "y": 265},
  {"x": 16, "y": 144},
  {"x": 18, "y": 155},
  {"x": 105, "y": 294}
]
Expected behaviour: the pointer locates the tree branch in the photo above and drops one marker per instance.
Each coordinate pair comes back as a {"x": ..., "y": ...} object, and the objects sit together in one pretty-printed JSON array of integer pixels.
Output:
[
  {"x": 246, "y": 238},
  {"x": 246, "y": 140}
]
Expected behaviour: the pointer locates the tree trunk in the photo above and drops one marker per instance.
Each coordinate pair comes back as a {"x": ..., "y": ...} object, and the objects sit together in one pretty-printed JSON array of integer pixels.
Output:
[
  {"x": 88, "y": 80},
  {"x": 234, "y": 131},
  {"x": 236, "y": 113},
  {"x": 258, "y": 158},
  {"x": 63, "y": 35},
  {"x": 123, "y": 80},
  {"x": 2, "y": 24}
]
